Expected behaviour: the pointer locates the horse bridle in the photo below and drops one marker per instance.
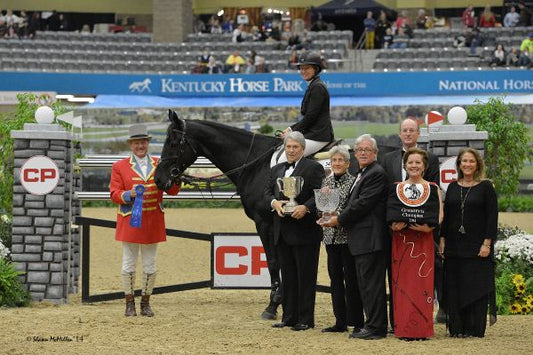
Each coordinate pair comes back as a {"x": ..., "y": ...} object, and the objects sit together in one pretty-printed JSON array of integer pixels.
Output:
[{"x": 175, "y": 172}]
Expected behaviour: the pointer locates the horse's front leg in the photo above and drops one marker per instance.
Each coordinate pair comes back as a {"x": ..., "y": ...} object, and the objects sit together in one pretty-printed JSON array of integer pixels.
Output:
[{"x": 265, "y": 231}]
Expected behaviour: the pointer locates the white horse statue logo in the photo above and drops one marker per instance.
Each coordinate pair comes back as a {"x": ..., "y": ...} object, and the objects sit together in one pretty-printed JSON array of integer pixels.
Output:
[{"x": 141, "y": 86}]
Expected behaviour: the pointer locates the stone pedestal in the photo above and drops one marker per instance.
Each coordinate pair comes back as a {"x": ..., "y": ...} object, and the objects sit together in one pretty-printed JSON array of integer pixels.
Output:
[
  {"x": 45, "y": 245},
  {"x": 450, "y": 139}
]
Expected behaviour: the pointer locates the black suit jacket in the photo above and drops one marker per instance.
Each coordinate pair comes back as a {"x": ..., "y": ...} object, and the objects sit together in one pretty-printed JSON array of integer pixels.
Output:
[
  {"x": 393, "y": 165},
  {"x": 305, "y": 230},
  {"x": 364, "y": 217},
  {"x": 316, "y": 122}
]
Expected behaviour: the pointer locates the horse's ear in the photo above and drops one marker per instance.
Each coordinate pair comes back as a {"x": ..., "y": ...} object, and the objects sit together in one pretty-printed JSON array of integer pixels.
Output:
[{"x": 173, "y": 117}]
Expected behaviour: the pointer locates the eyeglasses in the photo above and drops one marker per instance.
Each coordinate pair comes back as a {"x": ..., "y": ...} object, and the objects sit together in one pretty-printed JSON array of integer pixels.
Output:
[{"x": 364, "y": 150}]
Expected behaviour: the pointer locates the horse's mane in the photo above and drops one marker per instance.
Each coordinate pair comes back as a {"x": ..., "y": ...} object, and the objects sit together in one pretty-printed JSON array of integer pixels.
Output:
[{"x": 236, "y": 130}]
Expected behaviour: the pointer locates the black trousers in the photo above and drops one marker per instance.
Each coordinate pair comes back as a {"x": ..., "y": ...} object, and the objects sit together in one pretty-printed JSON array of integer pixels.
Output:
[
  {"x": 299, "y": 268},
  {"x": 370, "y": 270},
  {"x": 345, "y": 296}
]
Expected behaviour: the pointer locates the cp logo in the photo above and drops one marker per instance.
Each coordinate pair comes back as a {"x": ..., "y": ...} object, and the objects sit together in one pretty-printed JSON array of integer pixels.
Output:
[{"x": 39, "y": 175}]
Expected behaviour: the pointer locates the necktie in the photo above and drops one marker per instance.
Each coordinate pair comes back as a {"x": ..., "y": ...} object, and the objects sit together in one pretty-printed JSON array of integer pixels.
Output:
[
  {"x": 356, "y": 180},
  {"x": 404, "y": 173},
  {"x": 289, "y": 168},
  {"x": 144, "y": 166}
]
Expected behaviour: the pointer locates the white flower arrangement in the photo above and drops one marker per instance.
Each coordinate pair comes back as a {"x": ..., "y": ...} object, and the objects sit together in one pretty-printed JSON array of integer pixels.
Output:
[
  {"x": 4, "y": 251},
  {"x": 518, "y": 246}
]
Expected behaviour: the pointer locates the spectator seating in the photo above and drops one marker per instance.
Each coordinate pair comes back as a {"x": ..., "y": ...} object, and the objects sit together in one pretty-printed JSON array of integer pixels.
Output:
[
  {"x": 135, "y": 53},
  {"x": 433, "y": 49}
]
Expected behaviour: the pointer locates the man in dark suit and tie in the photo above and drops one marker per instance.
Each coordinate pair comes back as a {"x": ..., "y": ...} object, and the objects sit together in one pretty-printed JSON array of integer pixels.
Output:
[
  {"x": 364, "y": 218},
  {"x": 297, "y": 236},
  {"x": 392, "y": 162},
  {"x": 393, "y": 165}
]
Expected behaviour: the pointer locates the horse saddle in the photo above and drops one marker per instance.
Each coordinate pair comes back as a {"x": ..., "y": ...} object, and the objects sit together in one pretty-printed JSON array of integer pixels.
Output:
[{"x": 323, "y": 153}]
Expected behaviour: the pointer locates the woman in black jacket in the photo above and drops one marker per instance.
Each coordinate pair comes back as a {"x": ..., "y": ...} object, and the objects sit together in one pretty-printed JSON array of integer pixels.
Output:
[{"x": 315, "y": 121}]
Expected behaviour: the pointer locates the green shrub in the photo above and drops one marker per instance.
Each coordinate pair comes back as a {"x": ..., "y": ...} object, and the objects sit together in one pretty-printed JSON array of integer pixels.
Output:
[
  {"x": 12, "y": 292},
  {"x": 516, "y": 204},
  {"x": 507, "y": 146},
  {"x": 266, "y": 129}
]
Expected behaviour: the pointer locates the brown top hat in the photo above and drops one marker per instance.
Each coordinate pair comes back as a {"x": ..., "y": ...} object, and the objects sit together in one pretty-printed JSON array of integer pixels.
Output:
[{"x": 139, "y": 131}]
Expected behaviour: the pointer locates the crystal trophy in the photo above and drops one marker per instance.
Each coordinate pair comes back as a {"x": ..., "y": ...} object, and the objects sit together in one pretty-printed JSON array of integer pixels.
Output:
[{"x": 326, "y": 200}]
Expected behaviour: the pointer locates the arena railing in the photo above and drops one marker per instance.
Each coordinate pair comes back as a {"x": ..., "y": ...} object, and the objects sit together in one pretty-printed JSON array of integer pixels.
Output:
[
  {"x": 86, "y": 224},
  {"x": 106, "y": 161}
]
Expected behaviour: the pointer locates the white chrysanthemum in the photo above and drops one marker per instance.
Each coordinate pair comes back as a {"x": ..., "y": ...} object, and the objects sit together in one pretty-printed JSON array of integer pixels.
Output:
[
  {"x": 4, "y": 251},
  {"x": 519, "y": 246}
]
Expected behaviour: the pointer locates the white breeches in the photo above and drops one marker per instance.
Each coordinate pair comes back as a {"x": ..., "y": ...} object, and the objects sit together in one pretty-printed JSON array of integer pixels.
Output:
[
  {"x": 130, "y": 254},
  {"x": 311, "y": 147}
]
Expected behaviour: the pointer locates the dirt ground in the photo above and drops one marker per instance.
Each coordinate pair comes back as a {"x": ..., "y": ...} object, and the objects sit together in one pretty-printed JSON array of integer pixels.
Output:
[{"x": 214, "y": 321}]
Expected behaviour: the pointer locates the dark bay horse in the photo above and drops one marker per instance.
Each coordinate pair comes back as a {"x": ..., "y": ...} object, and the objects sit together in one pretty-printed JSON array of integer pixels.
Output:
[{"x": 244, "y": 157}]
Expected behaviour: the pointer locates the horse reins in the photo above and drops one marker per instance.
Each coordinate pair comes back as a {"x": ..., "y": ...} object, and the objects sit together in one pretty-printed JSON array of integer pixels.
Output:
[{"x": 239, "y": 169}]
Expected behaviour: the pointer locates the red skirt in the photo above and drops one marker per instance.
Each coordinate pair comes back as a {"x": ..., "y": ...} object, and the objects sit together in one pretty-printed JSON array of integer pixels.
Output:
[{"x": 413, "y": 260}]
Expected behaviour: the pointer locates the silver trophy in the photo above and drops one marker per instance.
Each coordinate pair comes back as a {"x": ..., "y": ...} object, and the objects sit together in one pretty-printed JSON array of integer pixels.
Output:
[
  {"x": 326, "y": 200},
  {"x": 290, "y": 186}
]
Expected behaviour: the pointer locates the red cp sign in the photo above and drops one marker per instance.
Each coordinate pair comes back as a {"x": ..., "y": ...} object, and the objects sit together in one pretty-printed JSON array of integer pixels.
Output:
[
  {"x": 239, "y": 261},
  {"x": 39, "y": 175},
  {"x": 448, "y": 173}
]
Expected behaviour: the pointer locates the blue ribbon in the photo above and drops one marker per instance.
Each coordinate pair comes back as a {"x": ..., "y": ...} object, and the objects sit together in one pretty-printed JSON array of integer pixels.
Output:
[{"x": 137, "y": 211}]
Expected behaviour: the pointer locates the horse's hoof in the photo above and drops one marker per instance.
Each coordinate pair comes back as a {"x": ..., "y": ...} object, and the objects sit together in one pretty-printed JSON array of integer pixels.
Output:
[{"x": 267, "y": 315}]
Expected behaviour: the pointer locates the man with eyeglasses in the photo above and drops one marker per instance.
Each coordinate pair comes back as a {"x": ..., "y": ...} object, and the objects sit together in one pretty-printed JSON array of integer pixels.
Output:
[
  {"x": 393, "y": 165},
  {"x": 364, "y": 219}
]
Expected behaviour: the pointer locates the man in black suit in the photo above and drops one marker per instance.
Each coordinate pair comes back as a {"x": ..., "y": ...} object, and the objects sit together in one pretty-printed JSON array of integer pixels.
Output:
[
  {"x": 364, "y": 218},
  {"x": 392, "y": 162},
  {"x": 393, "y": 165},
  {"x": 297, "y": 236}
]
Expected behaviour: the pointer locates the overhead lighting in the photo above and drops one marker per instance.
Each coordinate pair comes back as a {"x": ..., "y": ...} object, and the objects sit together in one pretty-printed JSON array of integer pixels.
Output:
[{"x": 220, "y": 13}]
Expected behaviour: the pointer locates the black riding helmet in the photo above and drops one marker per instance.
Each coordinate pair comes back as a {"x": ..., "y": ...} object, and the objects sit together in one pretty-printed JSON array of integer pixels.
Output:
[{"x": 312, "y": 58}]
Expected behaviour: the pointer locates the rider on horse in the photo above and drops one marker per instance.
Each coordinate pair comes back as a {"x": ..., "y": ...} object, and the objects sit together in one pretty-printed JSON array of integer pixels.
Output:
[{"x": 315, "y": 122}]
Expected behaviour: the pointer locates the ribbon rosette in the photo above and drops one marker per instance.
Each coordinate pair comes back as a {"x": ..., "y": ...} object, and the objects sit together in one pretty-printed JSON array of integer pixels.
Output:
[{"x": 137, "y": 211}]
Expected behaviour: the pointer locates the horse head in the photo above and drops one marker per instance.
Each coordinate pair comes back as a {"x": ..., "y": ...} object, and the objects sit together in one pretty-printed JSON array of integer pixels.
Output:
[{"x": 177, "y": 155}]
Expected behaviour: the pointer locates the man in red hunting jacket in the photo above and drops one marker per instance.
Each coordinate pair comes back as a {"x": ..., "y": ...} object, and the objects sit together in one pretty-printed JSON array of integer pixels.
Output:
[{"x": 138, "y": 169}]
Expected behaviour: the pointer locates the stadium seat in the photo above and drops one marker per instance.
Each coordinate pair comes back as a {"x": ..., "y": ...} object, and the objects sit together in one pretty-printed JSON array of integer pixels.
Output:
[{"x": 430, "y": 65}]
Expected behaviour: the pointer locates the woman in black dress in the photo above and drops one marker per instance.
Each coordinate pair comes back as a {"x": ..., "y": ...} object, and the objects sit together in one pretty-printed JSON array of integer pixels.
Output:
[{"x": 467, "y": 235}]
